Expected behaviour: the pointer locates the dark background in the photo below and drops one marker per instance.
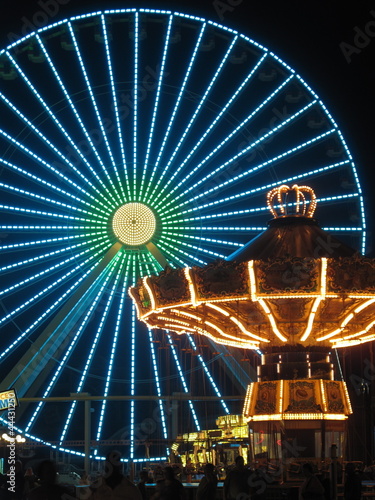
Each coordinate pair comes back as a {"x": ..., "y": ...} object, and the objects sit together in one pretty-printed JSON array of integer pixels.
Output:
[{"x": 331, "y": 45}]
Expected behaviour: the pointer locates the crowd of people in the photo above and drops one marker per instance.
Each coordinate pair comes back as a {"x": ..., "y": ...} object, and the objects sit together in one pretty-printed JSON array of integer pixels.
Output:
[{"x": 240, "y": 482}]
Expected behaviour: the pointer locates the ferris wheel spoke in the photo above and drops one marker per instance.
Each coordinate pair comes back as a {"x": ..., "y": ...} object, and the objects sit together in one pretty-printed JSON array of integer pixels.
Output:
[
  {"x": 45, "y": 256},
  {"x": 44, "y": 163},
  {"x": 232, "y": 134},
  {"x": 207, "y": 372},
  {"x": 40, "y": 134},
  {"x": 94, "y": 345},
  {"x": 263, "y": 189},
  {"x": 249, "y": 148},
  {"x": 209, "y": 129},
  {"x": 135, "y": 105},
  {"x": 43, "y": 182},
  {"x": 176, "y": 254},
  {"x": 193, "y": 247},
  {"x": 235, "y": 178},
  {"x": 244, "y": 229},
  {"x": 26, "y": 244},
  {"x": 202, "y": 239},
  {"x": 58, "y": 282},
  {"x": 156, "y": 106},
  {"x": 60, "y": 127},
  {"x": 50, "y": 270},
  {"x": 176, "y": 107},
  {"x": 193, "y": 118},
  {"x": 46, "y": 200},
  {"x": 117, "y": 116},
  {"x": 42, "y": 317},
  {"x": 183, "y": 381},
  {"x": 97, "y": 112},
  {"x": 39, "y": 213},
  {"x": 119, "y": 318},
  {"x": 77, "y": 116},
  {"x": 157, "y": 384},
  {"x": 68, "y": 352}
]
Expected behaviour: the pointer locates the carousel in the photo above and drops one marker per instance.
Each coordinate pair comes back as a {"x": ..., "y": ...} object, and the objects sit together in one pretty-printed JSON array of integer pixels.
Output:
[{"x": 295, "y": 294}]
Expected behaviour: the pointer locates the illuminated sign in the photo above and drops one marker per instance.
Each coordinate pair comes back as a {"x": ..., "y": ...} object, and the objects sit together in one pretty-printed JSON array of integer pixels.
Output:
[{"x": 8, "y": 399}]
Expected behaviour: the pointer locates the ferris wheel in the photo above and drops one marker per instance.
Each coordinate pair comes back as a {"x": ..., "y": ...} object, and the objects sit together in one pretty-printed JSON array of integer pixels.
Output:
[{"x": 131, "y": 139}]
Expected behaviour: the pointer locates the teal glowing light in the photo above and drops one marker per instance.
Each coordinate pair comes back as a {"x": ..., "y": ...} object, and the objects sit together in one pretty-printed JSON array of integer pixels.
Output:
[{"x": 163, "y": 139}]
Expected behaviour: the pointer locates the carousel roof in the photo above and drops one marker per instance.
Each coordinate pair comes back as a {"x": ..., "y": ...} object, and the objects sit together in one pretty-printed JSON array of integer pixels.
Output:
[{"x": 293, "y": 285}]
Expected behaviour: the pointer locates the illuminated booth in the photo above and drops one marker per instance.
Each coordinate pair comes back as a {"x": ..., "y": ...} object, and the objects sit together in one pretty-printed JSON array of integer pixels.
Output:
[{"x": 294, "y": 293}]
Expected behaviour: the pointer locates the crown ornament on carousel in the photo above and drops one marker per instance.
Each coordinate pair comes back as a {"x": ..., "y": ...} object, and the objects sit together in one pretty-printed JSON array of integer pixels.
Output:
[
  {"x": 286, "y": 287},
  {"x": 284, "y": 201}
]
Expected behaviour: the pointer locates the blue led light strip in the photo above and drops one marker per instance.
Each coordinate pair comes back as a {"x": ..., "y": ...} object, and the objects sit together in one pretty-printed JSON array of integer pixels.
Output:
[
  {"x": 46, "y": 271},
  {"x": 41, "y": 242},
  {"x": 267, "y": 187},
  {"x": 248, "y": 148},
  {"x": 170, "y": 240},
  {"x": 173, "y": 252},
  {"x": 50, "y": 309},
  {"x": 195, "y": 114},
  {"x": 157, "y": 382},
  {"x": 42, "y": 136},
  {"x": 45, "y": 256},
  {"x": 179, "y": 97},
  {"x": 113, "y": 349},
  {"x": 100, "y": 121},
  {"x": 215, "y": 121},
  {"x": 44, "y": 163},
  {"x": 59, "y": 125},
  {"x": 62, "y": 363},
  {"x": 94, "y": 343},
  {"x": 244, "y": 229},
  {"x": 55, "y": 202},
  {"x": 132, "y": 366},
  {"x": 135, "y": 104},
  {"x": 118, "y": 123},
  {"x": 168, "y": 233},
  {"x": 39, "y": 212},
  {"x": 42, "y": 181},
  {"x": 76, "y": 114},
  {"x": 156, "y": 105},
  {"x": 182, "y": 378},
  {"x": 212, "y": 382},
  {"x": 261, "y": 165},
  {"x": 228, "y": 137},
  {"x": 46, "y": 290}
]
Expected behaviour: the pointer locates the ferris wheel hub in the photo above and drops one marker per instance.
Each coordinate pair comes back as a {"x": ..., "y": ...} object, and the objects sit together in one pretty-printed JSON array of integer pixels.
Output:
[{"x": 134, "y": 224}]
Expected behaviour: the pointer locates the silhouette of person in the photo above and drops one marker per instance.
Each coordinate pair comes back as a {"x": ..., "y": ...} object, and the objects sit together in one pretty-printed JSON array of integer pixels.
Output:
[
  {"x": 113, "y": 484},
  {"x": 311, "y": 488},
  {"x": 48, "y": 486},
  {"x": 170, "y": 488},
  {"x": 353, "y": 483},
  {"x": 144, "y": 478},
  {"x": 237, "y": 480},
  {"x": 208, "y": 484}
]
